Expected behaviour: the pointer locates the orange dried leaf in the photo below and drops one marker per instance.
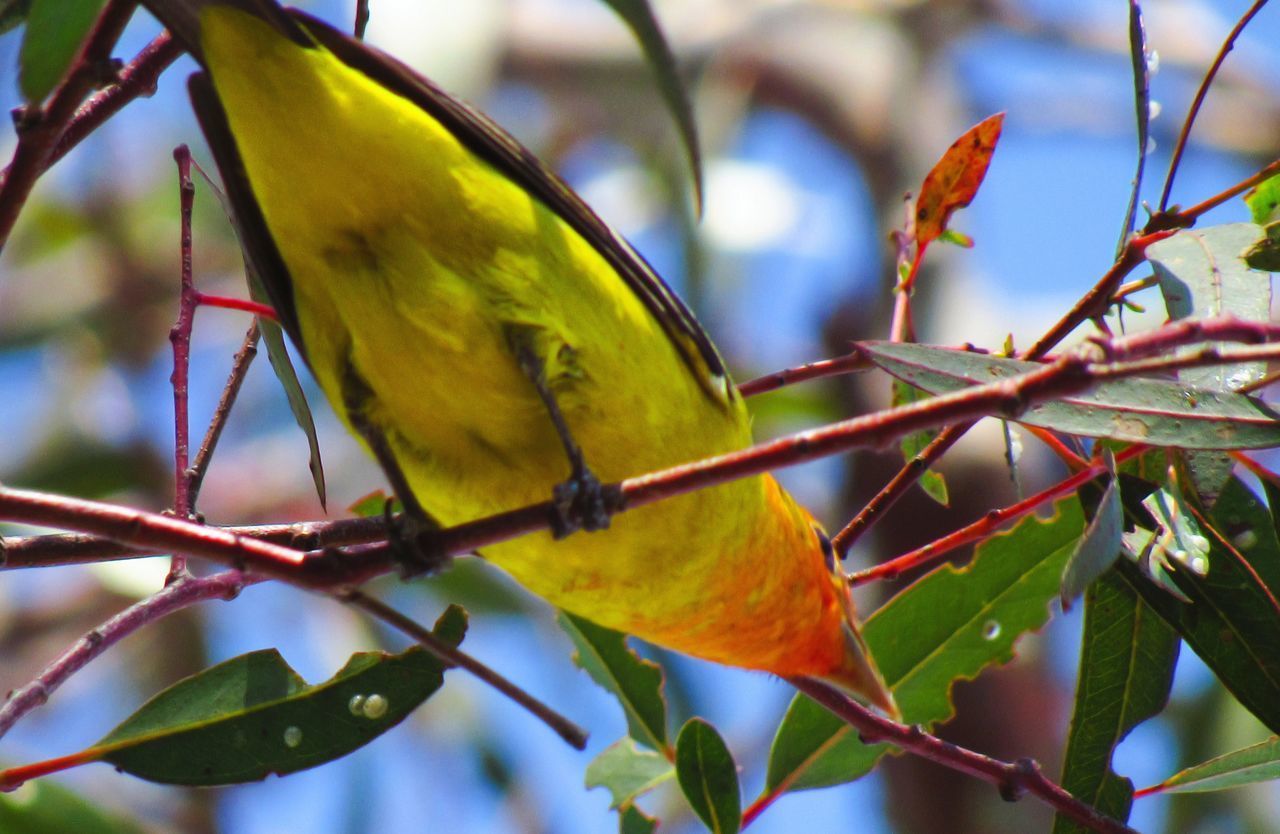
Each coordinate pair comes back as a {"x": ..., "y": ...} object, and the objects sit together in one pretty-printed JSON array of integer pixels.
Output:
[{"x": 954, "y": 181}]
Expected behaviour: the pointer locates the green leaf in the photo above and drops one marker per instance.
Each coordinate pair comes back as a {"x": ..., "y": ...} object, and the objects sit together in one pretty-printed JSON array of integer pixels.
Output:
[
  {"x": 43, "y": 807},
  {"x": 644, "y": 26},
  {"x": 708, "y": 777},
  {"x": 948, "y": 626},
  {"x": 1263, "y": 201},
  {"x": 634, "y": 821},
  {"x": 1126, "y": 668},
  {"x": 277, "y": 353},
  {"x": 1151, "y": 411},
  {"x": 1233, "y": 617},
  {"x": 12, "y": 13},
  {"x": 253, "y": 715},
  {"x": 1257, "y": 763},
  {"x": 1265, "y": 254},
  {"x": 635, "y": 682},
  {"x": 56, "y": 29},
  {"x": 933, "y": 484},
  {"x": 282, "y": 365},
  {"x": 1098, "y": 548},
  {"x": 1202, "y": 274},
  {"x": 627, "y": 771}
]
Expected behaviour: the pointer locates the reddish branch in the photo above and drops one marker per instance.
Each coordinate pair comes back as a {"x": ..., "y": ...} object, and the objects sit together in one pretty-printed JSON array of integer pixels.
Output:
[
  {"x": 1013, "y": 779},
  {"x": 41, "y": 127}
]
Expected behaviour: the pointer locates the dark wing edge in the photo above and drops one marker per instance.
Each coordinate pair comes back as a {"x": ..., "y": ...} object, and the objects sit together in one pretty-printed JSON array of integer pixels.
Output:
[
  {"x": 255, "y": 239},
  {"x": 492, "y": 143}
]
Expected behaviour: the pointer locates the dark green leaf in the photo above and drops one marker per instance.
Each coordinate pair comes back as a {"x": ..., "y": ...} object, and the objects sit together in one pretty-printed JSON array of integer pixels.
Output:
[
  {"x": 1098, "y": 548},
  {"x": 946, "y": 627},
  {"x": 933, "y": 484},
  {"x": 639, "y": 17},
  {"x": 627, "y": 771},
  {"x": 636, "y": 683},
  {"x": 708, "y": 777},
  {"x": 1151, "y": 411},
  {"x": 1126, "y": 668},
  {"x": 634, "y": 821},
  {"x": 1233, "y": 618},
  {"x": 55, "y": 31},
  {"x": 1265, "y": 254},
  {"x": 43, "y": 807},
  {"x": 1257, "y": 763},
  {"x": 253, "y": 716}
]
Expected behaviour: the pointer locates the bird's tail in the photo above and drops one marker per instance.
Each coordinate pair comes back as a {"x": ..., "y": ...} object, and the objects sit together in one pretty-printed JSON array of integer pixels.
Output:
[{"x": 858, "y": 674}]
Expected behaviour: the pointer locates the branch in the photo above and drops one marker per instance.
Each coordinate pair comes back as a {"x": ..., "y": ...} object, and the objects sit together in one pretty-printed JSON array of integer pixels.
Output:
[
  {"x": 1013, "y": 779},
  {"x": 40, "y": 128}
]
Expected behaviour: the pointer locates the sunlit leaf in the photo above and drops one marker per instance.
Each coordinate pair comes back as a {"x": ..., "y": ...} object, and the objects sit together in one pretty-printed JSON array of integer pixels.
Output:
[
  {"x": 1256, "y": 763},
  {"x": 1098, "y": 548},
  {"x": 1265, "y": 254},
  {"x": 637, "y": 683},
  {"x": 1263, "y": 201},
  {"x": 708, "y": 777},
  {"x": 56, "y": 29},
  {"x": 954, "y": 180},
  {"x": 1153, "y": 411},
  {"x": 1127, "y": 657},
  {"x": 1202, "y": 274},
  {"x": 948, "y": 626},
  {"x": 627, "y": 771}
]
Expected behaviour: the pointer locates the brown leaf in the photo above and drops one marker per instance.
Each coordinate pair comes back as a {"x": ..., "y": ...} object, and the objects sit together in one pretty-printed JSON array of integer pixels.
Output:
[{"x": 954, "y": 180}]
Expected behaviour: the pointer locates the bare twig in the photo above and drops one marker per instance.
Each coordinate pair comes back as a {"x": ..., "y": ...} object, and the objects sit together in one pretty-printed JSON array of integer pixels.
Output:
[
  {"x": 173, "y": 597},
  {"x": 1013, "y": 779},
  {"x": 239, "y": 369},
  {"x": 563, "y": 727},
  {"x": 1205, "y": 84}
]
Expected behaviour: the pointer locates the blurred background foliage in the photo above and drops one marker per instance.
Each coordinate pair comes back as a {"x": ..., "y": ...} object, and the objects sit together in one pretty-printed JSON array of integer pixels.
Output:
[{"x": 816, "y": 116}]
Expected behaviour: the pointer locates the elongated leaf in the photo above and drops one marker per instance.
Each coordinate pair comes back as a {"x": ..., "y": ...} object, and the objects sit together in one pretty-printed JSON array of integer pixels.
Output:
[
  {"x": 1152, "y": 411},
  {"x": 933, "y": 484},
  {"x": 277, "y": 353},
  {"x": 253, "y": 716},
  {"x": 954, "y": 180},
  {"x": 627, "y": 771},
  {"x": 1202, "y": 274},
  {"x": 948, "y": 626},
  {"x": 708, "y": 777},
  {"x": 1233, "y": 617},
  {"x": 1126, "y": 669},
  {"x": 1256, "y": 763},
  {"x": 1098, "y": 549},
  {"x": 1142, "y": 111},
  {"x": 635, "y": 682},
  {"x": 639, "y": 17},
  {"x": 55, "y": 31},
  {"x": 43, "y": 807}
]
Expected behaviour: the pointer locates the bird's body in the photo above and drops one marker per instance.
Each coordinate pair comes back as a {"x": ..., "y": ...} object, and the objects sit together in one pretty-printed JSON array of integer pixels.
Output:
[{"x": 408, "y": 253}]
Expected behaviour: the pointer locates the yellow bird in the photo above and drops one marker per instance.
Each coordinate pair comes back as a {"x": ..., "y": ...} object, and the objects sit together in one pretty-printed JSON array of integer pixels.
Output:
[{"x": 473, "y": 321}]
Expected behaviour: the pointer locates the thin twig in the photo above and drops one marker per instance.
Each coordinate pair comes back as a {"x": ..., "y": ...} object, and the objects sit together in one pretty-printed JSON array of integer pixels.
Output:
[
  {"x": 239, "y": 370},
  {"x": 563, "y": 727},
  {"x": 173, "y": 597},
  {"x": 1196, "y": 103},
  {"x": 1013, "y": 779}
]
